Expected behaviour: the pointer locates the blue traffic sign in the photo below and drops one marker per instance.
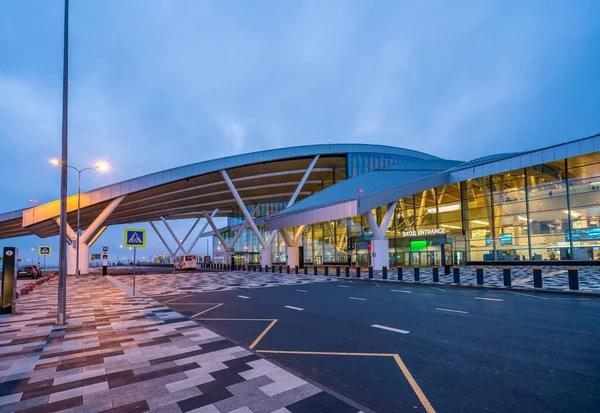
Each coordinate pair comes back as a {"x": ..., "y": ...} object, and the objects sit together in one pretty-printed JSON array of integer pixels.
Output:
[{"x": 135, "y": 238}]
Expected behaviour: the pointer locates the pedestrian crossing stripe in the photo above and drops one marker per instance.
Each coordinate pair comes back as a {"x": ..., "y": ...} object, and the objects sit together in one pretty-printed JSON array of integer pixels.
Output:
[{"x": 135, "y": 238}]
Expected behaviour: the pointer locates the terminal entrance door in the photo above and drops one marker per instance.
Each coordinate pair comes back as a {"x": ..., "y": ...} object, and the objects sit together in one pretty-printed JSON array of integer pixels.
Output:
[{"x": 426, "y": 258}]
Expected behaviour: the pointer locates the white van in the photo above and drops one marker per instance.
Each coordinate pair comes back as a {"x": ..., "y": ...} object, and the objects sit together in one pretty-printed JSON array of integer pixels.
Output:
[{"x": 186, "y": 262}]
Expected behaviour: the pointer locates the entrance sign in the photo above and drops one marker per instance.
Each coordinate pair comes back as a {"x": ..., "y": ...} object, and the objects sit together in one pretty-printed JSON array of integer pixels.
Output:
[
  {"x": 135, "y": 238},
  {"x": 421, "y": 232},
  {"x": 45, "y": 251}
]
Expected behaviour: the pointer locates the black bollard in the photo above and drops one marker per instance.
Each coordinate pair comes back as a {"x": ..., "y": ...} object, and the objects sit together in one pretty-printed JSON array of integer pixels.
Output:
[
  {"x": 315, "y": 270},
  {"x": 384, "y": 273},
  {"x": 479, "y": 272},
  {"x": 326, "y": 271},
  {"x": 280, "y": 269},
  {"x": 456, "y": 275},
  {"x": 400, "y": 276},
  {"x": 288, "y": 269},
  {"x": 573, "y": 279},
  {"x": 371, "y": 273},
  {"x": 306, "y": 270},
  {"x": 347, "y": 272},
  {"x": 357, "y": 272},
  {"x": 296, "y": 269},
  {"x": 436, "y": 274},
  {"x": 273, "y": 269},
  {"x": 537, "y": 277},
  {"x": 338, "y": 271},
  {"x": 507, "y": 276},
  {"x": 417, "y": 273}
]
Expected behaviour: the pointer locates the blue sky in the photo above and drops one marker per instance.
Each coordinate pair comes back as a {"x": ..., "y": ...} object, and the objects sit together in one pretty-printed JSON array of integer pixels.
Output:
[{"x": 156, "y": 84}]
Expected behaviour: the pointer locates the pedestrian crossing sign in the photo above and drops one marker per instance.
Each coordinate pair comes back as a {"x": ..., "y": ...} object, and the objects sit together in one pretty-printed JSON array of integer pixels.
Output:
[
  {"x": 45, "y": 250},
  {"x": 135, "y": 238}
]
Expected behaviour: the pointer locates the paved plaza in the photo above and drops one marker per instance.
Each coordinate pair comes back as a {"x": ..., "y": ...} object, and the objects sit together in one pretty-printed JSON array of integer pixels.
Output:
[
  {"x": 131, "y": 354},
  {"x": 554, "y": 278}
]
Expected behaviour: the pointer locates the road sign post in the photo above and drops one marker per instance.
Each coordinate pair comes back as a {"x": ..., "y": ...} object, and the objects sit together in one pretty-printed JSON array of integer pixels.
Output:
[
  {"x": 134, "y": 238},
  {"x": 44, "y": 251},
  {"x": 104, "y": 260}
]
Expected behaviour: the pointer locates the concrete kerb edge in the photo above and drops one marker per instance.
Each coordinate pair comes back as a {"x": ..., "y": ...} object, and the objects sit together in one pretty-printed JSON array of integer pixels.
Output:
[{"x": 480, "y": 287}]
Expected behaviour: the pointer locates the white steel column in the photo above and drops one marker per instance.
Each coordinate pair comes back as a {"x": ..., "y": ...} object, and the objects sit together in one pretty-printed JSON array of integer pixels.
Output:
[
  {"x": 242, "y": 228},
  {"x": 86, "y": 240},
  {"x": 202, "y": 230},
  {"x": 96, "y": 236},
  {"x": 173, "y": 235},
  {"x": 380, "y": 250},
  {"x": 162, "y": 239},
  {"x": 302, "y": 181},
  {"x": 216, "y": 231},
  {"x": 187, "y": 236}
]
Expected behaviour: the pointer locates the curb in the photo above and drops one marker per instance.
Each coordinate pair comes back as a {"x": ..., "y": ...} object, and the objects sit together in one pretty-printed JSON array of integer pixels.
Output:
[{"x": 481, "y": 287}]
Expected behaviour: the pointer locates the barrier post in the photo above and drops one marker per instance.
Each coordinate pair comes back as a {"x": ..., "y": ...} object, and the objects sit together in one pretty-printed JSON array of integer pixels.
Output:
[
  {"x": 573, "y": 279},
  {"x": 507, "y": 276},
  {"x": 417, "y": 273},
  {"x": 273, "y": 269},
  {"x": 479, "y": 271},
  {"x": 288, "y": 269},
  {"x": 306, "y": 270},
  {"x": 357, "y": 272},
  {"x": 436, "y": 274},
  {"x": 347, "y": 270},
  {"x": 326, "y": 271},
  {"x": 370, "y": 272},
  {"x": 315, "y": 270},
  {"x": 337, "y": 271},
  {"x": 400, "y": 276},
  {"x": 537, "y": 277},
  {"x": 296, "y": 269},
  {"x": 384, "y": 272},
  {"x": 456, "y": 270}
]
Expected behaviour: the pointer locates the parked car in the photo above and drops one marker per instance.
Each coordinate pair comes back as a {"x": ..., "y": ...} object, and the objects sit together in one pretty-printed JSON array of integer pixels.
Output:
[
  {"x": 28, "y": 271},
  {"x": 38, "y": 270}
]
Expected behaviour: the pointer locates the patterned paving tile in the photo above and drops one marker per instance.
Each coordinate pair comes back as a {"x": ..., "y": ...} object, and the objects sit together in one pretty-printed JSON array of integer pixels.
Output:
[
  {"x": 206, "y": 281},
  {"x": 131, "y": 354}
]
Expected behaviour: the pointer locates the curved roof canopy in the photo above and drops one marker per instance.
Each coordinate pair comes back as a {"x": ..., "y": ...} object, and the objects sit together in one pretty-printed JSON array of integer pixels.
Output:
[{"x": 188, "y": 191}]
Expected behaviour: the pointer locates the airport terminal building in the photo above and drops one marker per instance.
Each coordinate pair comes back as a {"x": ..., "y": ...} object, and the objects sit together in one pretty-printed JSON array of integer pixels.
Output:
[{"x": 355, "y": 203}]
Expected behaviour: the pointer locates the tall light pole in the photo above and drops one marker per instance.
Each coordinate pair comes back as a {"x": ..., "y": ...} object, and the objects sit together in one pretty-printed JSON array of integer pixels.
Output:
[
  {"x": 120, "y": 246},
  {"x": 61, "y": 316},
  {"x": 101, "y": 166}
]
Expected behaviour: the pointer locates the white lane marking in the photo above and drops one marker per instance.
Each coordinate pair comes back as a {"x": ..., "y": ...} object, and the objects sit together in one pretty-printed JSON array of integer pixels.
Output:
[
  {"x": 401, "y": 291},
  {"x": 357, "y": 298},
  {"x": 302, "y": 291},
  {"x": 489, "y": 299},
  {"x": 294, "y": 308},
  {"x": 452, "y": 311},
  {"x": 395, "y": 330},
  {"x": 439, "y": 289},
  {"x": 343, "y": 286},
  {"x": 377, "y": 284},
  {"x": 528, "y": 295},
  {"x": 243, "y": 296}
]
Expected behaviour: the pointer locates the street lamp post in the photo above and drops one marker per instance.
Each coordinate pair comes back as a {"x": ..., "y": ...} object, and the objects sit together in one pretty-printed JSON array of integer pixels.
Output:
[
  {"x": 120, "y": 246},
  {"x": 101, "y": 166}
]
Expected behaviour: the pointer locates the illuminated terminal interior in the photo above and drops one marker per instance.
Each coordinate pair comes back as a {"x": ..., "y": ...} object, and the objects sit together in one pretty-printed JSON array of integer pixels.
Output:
[{"x": 544, "y": 212}]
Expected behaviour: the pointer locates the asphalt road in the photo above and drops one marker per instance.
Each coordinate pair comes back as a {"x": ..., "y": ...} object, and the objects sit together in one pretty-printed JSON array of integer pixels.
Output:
[{"x": 462, "y": 350}]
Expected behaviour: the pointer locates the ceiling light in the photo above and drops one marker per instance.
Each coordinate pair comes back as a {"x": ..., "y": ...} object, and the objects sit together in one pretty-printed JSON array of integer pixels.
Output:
[
  {"x": 450, "y": 226},
  {"x": 475, "y": 221}
]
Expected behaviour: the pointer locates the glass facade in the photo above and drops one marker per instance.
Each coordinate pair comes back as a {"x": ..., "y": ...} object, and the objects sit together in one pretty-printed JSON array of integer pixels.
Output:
[{"x": 544, "y": 212}]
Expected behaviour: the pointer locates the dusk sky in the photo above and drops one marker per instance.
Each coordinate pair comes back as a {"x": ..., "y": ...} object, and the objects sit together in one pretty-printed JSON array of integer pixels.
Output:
[{"x": 158, "y": 84}]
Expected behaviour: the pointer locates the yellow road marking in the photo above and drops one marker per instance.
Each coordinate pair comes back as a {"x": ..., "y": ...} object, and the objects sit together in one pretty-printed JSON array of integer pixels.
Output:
[
  {"x": 178, "y": 298},
  {"x": 206, "y": 311},
  {"x": 413, "y": 384},
  {"x": 265, "y": 331}
]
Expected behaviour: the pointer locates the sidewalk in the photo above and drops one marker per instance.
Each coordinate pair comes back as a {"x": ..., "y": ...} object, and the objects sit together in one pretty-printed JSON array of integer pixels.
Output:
[{"x": 130, "y": 354}]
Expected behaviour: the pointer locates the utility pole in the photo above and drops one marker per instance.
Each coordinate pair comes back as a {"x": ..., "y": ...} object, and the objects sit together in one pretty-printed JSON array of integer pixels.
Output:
[{"x": 61, "y": 317}]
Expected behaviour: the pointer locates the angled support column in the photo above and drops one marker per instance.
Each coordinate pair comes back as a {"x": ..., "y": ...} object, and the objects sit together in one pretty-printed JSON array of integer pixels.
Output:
[
  {"x": 173, "y": 235},
  {"x": 91, "y": 233},
  {"x": 216, "y": 231},
  {"x": 380, "y": 244},
  {"x": 214, "y": 213},
  {"x": 97, "y": 235},
  {"x": 162, "y": 239},
  {"x": 70, "y": 233},
  {"x": 242, "y": 228},
  {"x": 242, "y": 207},
  {"x": 187, "y": 236}
]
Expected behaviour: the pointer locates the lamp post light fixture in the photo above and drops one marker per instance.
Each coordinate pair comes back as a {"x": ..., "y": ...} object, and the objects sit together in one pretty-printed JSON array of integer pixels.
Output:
[{"x": 101, "y": 167}]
